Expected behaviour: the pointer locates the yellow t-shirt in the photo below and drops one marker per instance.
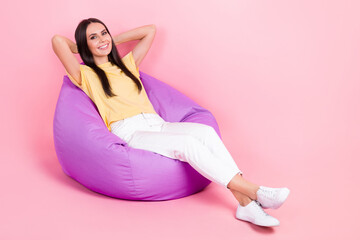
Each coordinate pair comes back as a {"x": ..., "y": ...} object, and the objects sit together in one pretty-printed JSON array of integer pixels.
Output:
[{"x": 128, "y": 101}]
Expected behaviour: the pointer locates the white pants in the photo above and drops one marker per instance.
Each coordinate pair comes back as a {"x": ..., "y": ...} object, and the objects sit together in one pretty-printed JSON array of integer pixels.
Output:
[{"x": 194, "y": 143}]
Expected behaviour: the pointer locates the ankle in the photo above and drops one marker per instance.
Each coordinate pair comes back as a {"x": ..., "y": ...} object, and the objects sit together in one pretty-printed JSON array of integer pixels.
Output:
[
  {"x": 245, "y": 201},
  {"x": 255, "y": 192}
]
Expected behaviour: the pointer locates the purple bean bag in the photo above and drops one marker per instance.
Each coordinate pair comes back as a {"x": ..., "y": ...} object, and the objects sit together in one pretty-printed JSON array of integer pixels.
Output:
[{"x": 104, "y": 163}]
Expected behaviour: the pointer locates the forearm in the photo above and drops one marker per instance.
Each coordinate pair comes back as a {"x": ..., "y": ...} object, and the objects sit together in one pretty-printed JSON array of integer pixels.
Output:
[
  {"x": 134, "y": 34},
  {"x": 70, "y": 43}
]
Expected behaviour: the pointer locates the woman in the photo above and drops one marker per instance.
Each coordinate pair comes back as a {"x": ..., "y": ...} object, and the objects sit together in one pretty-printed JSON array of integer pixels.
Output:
[{"x": 113, "y": 84}]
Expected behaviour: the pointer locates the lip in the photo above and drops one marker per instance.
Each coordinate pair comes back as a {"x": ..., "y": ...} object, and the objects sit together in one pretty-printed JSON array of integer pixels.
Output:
[{"x": 104, "y": 45}]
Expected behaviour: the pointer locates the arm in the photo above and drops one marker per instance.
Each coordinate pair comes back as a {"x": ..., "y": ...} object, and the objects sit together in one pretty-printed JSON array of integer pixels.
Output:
[
  {"x": 70, "y": 43},
  {"x": 145, "y": 34},
  {"x": 64, "y": 49}
]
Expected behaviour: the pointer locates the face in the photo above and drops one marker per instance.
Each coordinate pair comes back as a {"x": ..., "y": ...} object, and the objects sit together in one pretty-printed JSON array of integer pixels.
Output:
[{"x": 98, "y": 40}]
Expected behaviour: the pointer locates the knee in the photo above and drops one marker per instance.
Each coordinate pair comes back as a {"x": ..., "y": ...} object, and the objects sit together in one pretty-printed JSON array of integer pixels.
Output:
[
  {"x": 207, "y": 130},
  {"x": 210, "y": 131}
]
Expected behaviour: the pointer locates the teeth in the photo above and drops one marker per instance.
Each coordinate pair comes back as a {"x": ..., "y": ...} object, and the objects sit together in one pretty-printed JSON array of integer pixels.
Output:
[{"x": 104, "y": 46}]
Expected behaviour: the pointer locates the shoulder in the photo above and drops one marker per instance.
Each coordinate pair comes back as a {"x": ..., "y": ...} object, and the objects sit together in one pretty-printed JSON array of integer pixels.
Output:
[
  {"x": 84, "y": 67},
  {"x": 128, "y": 58},
  {"x": 85, "y": 73},
  {"x": 129, "y": 61}
]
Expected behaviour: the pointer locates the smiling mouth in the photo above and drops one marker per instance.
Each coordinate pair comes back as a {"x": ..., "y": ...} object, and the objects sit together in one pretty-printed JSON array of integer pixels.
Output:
[{"x": 103, "y": 47}]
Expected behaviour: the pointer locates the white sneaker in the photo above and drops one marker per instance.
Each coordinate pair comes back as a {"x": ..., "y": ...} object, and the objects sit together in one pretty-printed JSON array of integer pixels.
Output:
[
  {"x": 255, "y": 214},
  {"x": 272, "y": 197}
]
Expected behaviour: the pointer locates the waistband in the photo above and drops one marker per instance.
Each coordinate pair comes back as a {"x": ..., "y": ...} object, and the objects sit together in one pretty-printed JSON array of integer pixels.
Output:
[{"x": 145, "y": 115}]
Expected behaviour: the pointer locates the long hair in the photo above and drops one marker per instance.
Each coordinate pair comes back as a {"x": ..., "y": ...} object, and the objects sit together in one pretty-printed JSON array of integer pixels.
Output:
[{"x": 88, "y": 59}]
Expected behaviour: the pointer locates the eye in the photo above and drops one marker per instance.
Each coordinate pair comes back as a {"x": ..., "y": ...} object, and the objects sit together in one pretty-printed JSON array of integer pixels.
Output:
[
  {"x": 104, "y": 33},
  {"x": 92, "y": 37}
]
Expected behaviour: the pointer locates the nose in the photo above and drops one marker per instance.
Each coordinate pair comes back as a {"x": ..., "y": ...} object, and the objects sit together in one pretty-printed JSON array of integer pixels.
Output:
[{"x": 102, "y": 38}]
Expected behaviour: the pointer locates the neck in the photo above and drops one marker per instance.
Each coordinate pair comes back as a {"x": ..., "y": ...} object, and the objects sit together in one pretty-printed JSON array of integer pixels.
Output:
[{"x": 101, "y": 60}]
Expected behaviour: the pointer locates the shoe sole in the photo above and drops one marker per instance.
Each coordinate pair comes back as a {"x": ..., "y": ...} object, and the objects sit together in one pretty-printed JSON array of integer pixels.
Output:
[
  {"x": 253, "y": 221},
  {"x": 258, "y": 224}
]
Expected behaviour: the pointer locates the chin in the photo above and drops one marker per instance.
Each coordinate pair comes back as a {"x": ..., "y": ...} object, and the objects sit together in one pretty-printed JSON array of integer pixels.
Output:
[{"x": 102, "y": 54}]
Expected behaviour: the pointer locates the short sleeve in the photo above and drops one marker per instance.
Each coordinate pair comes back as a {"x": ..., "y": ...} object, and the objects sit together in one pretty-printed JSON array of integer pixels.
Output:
[
  {"x": 83, "y": 78},
  {"x": 129, "y": 61}
]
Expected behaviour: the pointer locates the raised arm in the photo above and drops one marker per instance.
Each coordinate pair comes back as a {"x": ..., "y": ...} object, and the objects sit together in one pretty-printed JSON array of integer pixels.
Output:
[
  {"x": 64, "y": 48},
  {"x": 146, "y": 36}
]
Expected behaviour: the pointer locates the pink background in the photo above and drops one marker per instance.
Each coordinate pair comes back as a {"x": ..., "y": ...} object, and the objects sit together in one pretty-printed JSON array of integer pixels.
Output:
[{"x": 281, "y": 78}]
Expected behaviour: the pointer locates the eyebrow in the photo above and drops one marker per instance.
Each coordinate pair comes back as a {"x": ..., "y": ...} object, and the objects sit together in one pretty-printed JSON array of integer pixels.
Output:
[{"x": 95, "y": 33}]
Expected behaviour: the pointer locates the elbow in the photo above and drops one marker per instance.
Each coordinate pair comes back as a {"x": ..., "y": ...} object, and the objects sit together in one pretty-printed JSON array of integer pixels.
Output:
[
  {"x": 149, "y": 31},
  {"x": 56, "y": 41},
  {"x": 152, "y": 27},
  {"x": 56, "y": 38}
]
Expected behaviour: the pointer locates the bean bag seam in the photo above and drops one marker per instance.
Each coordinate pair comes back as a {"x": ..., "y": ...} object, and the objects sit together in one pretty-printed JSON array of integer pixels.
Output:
[{"x": 132, "y": 171}]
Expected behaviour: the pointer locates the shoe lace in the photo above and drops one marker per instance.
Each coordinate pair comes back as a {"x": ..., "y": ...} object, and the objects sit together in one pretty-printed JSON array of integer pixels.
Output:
[
  {"x": 261, "y": 210},
  {"x": 270, "y": 194}
]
